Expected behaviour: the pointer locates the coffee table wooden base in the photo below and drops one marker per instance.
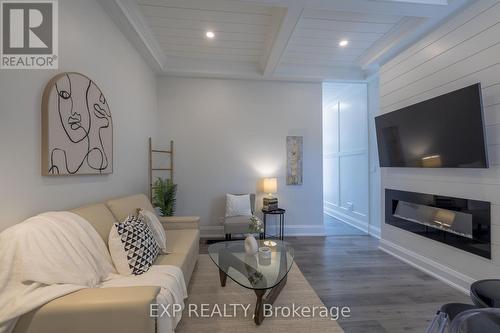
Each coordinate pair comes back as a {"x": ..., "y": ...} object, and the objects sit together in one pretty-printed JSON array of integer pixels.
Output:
[{"x": 264, "y": 296}]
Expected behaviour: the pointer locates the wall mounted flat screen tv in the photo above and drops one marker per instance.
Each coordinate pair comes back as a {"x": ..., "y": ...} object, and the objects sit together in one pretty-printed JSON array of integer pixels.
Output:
[{"x": 443, "y": 132}]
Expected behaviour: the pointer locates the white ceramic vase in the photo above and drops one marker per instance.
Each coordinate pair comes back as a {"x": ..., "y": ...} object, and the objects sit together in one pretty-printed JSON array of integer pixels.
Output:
[{"x": 251, "y": 246}]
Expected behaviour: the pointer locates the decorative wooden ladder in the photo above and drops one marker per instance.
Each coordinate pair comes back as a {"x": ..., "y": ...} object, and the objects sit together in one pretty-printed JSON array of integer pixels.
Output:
[{"x": 151, "y": 168}]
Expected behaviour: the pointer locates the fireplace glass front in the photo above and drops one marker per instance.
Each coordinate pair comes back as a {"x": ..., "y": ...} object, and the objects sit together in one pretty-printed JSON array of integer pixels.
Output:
[{"x": 462, "y": 223}]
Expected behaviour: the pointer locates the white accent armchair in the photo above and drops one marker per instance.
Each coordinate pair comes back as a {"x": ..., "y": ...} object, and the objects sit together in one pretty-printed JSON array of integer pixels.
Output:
[{"x": 239, "y": 224}]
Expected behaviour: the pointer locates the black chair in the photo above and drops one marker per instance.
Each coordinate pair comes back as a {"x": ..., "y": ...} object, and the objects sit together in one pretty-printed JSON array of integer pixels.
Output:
[
  {"x": 482, "y": 317},
  {"x": 479, "y": 320},
  {"x": 445, "y": 315}
]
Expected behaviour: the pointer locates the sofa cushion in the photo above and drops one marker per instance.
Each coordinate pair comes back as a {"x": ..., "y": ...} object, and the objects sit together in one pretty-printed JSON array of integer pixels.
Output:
[
  {"x": 99, "y": 216},
  {"x": 123, "y": 207},
  {"x": 237, "y": 225},
  {"x": 183, "y": 246},
  {"x": 176, "y": 259},
  {"x": 122, "y": 309},
  {"x": 132, "y": 246},
  {"x": 180, "y": 222},
  {"x": 156, "y": 227},
  {"x": 238, "y": 205},
  {"x": 181, "y": 241}
]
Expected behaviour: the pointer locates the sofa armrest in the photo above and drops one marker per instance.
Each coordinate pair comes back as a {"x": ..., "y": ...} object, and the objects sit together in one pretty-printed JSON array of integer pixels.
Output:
[
  {"x": 100, "y": 310},
  {"x": 180, "y": 222}
]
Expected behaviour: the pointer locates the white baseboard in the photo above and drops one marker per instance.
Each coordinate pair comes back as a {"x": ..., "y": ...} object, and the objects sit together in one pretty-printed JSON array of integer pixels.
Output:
[
  {"x": 374, "y": 231},
  {"x": 305, "y": 230},
  {"x": 358, "y": 224},
  {"x": 444, "y": 273},
  {"x": 216, "y": 231}
]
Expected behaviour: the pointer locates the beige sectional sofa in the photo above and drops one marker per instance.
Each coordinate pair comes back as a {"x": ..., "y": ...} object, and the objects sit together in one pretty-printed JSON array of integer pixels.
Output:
[{"x": 124, "y": 310}]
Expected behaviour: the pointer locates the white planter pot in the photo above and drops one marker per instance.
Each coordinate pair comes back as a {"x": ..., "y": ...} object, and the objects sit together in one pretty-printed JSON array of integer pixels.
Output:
[{"x": 251, "y": 246}]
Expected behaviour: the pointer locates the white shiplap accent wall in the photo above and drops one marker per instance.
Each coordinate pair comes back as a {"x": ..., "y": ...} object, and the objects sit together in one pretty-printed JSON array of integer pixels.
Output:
[{"x": 463, "y": 51}]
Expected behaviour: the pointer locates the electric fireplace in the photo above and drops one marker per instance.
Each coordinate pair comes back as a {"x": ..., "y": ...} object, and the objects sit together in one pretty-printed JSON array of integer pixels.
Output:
[{"x": 458, "y": 222}]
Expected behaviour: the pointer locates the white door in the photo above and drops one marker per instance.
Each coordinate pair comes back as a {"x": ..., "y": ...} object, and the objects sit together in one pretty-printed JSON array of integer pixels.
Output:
[{"x": 346, "y": 156}]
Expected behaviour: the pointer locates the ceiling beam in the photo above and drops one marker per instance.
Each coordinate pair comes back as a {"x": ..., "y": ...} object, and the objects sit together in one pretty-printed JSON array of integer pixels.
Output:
[
  {"x": 410, "y": 31},
  {"x": 129, "y": 19},
  {"x": 281, "y": 40},
  {"x": 420, "y": 8},
  {"x": 390, "y": 40},
  {"x": 319, "y": 73},
  {"x": 285, "y": 17},
  {"x": 278, "y": 15},
  {"x": 181, "y": 66}
]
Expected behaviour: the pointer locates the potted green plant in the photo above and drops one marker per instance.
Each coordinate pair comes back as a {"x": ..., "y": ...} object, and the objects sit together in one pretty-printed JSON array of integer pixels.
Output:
[{"x": 164, "y": 192}]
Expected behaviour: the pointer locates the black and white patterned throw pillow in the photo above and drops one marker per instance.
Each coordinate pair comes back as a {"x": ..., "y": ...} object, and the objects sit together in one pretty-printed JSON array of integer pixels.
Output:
[{"x": 132, "y": 246}]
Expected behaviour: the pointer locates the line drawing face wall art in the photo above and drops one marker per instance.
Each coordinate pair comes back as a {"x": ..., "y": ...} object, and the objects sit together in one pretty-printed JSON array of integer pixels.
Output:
[{"x": 77, "y": 127}]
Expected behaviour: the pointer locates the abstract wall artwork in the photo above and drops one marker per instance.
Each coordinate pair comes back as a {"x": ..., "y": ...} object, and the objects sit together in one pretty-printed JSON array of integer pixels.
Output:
[
  {"x": 77, "y": 128},
  {"x": 294, "y": 160}
]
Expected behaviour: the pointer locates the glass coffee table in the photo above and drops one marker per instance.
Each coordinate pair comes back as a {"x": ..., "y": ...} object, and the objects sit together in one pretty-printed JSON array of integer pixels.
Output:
[{"x": 265, "y": 276}]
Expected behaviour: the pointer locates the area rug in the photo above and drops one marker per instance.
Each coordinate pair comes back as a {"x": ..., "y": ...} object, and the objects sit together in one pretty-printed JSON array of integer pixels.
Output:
[{"x": 205, "y": 291}]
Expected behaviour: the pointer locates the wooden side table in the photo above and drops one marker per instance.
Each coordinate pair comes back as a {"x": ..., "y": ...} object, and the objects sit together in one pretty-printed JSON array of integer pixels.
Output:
[{"x": 281, "y": 215}]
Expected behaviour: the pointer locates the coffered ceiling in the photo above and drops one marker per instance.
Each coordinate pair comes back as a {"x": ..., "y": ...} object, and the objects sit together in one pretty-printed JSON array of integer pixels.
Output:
[{"x": 275, "y": 39}]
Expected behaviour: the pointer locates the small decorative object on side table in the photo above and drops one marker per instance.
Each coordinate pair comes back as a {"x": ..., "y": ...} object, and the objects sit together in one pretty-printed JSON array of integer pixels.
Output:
[
  {"x": 280, "y": 212},
  {"x": 270, "y": 186}
]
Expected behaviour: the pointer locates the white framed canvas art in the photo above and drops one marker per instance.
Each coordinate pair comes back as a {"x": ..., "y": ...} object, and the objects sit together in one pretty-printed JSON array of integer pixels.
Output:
[
  {"x": 294, "y": 146},
  {"x": 77, "y": 127}
]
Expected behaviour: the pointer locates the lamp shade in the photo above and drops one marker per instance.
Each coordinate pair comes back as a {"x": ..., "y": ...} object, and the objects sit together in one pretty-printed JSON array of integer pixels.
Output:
[{"x": 270, "y": 185}]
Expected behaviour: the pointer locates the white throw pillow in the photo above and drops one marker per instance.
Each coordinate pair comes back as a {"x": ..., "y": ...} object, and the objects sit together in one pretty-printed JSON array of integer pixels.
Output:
[
  {"x": 156, "y": 227},
  {"x": 132, "y": 246},
  {"x": 237, "y": 205}
]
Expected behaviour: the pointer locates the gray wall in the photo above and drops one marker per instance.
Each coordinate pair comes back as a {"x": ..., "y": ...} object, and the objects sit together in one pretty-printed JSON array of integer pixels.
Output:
[
  {"x": 89, "y": 43},
  {"x": 463, "y": 51},
  {"x": 230, "y": 133}
]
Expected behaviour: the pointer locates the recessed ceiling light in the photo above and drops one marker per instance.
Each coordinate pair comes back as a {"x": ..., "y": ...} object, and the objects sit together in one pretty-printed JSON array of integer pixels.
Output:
[
  {"x": 343, "y": 43},
  {"x": 210, "y": 34}
]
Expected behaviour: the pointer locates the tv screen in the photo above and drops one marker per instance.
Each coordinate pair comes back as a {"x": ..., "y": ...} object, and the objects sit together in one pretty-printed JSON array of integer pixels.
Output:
[{"x": 444, "y": 132}]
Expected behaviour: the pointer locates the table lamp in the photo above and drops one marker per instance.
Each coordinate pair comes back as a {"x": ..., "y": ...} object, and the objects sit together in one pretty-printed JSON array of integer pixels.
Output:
[{"x": 270, "y": 186}]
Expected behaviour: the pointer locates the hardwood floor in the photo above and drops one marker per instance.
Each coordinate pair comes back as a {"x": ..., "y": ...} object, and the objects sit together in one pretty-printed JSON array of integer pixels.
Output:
[
  {"x": 334, "y": 227},
  {"x": 383, "y": 293}
]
